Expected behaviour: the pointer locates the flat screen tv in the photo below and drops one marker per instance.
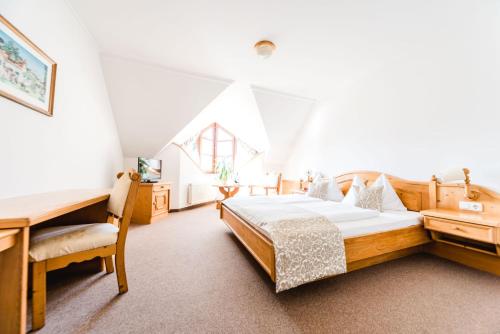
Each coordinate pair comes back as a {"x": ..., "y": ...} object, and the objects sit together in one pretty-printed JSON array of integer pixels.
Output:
[{"x": 149, "y": 169}]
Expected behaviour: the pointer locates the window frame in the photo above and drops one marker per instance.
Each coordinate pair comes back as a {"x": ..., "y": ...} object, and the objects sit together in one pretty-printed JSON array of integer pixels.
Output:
[{"x": 215, "y": 127}]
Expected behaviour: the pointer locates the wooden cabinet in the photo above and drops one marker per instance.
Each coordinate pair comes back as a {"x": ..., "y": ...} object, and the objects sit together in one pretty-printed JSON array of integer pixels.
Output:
[{"x": 152, "y": 203}]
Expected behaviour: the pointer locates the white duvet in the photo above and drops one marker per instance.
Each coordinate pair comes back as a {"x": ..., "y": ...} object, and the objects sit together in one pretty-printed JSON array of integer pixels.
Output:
[
  {"x": 337, "y": 212},
  {"x": 286, "y": 206},
  {"x": 269, "y": 200}
]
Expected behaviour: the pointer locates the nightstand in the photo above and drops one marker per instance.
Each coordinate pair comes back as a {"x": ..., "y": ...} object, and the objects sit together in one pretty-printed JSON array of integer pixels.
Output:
[{"x": 472, "y": 238}]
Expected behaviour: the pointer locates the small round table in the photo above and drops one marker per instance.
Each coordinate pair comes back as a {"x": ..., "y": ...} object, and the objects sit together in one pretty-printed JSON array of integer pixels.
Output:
[{"x": 228, "y": 190}]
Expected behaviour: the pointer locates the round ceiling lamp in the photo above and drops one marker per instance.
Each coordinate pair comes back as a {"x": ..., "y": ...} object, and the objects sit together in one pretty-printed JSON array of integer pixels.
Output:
[{"x": 264, "y": 49}]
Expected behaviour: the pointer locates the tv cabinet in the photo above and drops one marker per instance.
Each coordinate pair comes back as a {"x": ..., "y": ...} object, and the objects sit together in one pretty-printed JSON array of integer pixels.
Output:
[{"x": 152, "y": 203}]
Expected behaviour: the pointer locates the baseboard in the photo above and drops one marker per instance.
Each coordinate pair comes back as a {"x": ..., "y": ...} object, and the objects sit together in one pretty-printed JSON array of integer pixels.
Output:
[{"x": 193, "y": 206}]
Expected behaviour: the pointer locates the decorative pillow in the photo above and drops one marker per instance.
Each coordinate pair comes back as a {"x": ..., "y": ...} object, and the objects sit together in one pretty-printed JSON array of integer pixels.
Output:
[
  {"x": 317, "y": 177},
  {"x": 318, "y": 190},
  {"x": 369, "y": 198},
  {"x": 391, "y": 200},
  {"x": 350, "y": 198},
  {"x": 333, "y": 192}
]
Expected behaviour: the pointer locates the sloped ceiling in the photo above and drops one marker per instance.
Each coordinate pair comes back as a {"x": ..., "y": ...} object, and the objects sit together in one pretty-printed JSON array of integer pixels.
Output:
[
  {"x": 236, "y": 110},
  {"x": 283, "y": 117},
  {"x": 323, "y": 46},
  {"x": 152, "y": 104}
]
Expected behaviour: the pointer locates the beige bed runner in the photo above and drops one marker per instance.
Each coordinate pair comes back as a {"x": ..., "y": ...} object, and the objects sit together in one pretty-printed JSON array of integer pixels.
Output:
[
  {"x": 306, "y": 250},
  {"x": 307, "y": 246}
]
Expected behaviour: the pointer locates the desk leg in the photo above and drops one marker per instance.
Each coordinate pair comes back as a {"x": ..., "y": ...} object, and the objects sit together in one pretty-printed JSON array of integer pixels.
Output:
[{"x": 14, "y": 285}]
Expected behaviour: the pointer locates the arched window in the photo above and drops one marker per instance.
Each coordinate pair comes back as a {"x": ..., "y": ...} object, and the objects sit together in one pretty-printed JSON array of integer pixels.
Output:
[{"x": 216, "y": 145}]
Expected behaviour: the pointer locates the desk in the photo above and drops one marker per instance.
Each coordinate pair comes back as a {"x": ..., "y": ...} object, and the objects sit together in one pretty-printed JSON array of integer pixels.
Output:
[{"x": 23, "y": 213}]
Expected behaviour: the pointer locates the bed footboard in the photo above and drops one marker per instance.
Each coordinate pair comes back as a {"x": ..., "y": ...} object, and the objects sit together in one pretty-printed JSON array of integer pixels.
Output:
[{"x": 254, "y": 241}]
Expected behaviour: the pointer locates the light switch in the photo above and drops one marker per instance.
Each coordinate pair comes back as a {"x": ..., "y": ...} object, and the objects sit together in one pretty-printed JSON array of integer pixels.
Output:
[{"x": 471, "y": 206}]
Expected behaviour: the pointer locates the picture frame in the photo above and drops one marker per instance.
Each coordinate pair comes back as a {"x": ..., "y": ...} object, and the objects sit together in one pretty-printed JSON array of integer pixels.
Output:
[{"x": 27, "y": 74}]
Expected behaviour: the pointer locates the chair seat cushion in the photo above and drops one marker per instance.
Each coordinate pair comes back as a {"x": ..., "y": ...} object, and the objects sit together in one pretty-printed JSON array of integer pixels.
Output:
[{"x": 51, "y": 242}]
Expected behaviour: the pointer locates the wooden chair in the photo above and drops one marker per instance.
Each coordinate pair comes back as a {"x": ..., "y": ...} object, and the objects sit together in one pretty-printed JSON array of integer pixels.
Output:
[
  {"x": 56, "y": 247},
  {"x": 267, "y": 188},
  {"x": 276, "y": 188}
]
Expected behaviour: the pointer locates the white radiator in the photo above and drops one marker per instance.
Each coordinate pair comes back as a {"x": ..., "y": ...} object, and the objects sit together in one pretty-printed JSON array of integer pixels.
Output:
[{"x": 200, "y": 193}]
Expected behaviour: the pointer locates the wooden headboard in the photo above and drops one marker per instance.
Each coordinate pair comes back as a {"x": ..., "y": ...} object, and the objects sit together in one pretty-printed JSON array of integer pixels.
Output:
[{"x": 413, "y": 194}]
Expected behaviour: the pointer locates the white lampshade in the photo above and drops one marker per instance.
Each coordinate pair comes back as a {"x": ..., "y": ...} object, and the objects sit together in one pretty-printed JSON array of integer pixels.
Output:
[
  {"x": 264, "y": 49},
  {"x": 452, "y": 175}
]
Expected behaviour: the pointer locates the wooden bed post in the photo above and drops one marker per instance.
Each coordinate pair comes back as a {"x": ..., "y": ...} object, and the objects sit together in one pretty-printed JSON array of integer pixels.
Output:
[{"x": 433, "y": 192}]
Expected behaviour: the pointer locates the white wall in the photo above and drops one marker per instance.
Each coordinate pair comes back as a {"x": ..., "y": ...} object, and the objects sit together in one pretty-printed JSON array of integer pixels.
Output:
[
  {"x": 170, "y": 157},
  {"x": 180, "y": 170},
  {"x": 431, "y": 110},
  {"x": 78, "y": 147}
]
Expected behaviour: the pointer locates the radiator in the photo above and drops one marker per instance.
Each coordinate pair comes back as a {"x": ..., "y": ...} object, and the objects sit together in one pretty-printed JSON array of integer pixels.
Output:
[{"x": 200, "y": 193}]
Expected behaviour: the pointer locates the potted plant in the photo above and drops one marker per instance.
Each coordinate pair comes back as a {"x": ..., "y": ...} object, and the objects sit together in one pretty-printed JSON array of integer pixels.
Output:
[{"x": 224, "y": 172}]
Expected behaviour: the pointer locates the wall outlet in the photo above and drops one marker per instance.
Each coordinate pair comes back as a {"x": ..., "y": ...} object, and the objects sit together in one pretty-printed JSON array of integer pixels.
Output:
[{"x": 471, "y": 206}]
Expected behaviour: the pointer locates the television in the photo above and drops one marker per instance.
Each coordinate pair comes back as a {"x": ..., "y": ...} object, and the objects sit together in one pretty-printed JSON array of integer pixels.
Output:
[{"x": 149, "y": 169}]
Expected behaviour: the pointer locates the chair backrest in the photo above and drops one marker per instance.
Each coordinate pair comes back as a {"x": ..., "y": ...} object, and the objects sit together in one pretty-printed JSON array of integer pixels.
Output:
[{"x": 122, "y": 200}]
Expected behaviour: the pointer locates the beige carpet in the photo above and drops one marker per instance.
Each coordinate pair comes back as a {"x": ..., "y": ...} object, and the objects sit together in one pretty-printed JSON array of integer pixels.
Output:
[{"x": 188, "y": 274}]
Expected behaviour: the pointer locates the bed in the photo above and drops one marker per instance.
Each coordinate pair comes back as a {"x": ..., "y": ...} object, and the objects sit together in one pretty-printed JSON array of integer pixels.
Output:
[{"x": 368, "y": 242}]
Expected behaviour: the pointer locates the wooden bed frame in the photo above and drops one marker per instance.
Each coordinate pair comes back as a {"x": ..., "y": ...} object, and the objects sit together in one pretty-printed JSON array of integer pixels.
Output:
[{"x": 361, "y": 251}]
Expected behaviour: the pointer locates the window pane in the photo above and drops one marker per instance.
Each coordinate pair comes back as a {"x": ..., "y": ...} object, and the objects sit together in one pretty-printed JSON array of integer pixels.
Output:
[
  {"x": 206, "y": 162},
  {"x": 223, "y": 135},
  {"x": 227, "y": 161},
  {"x": 206, "y": 146},
  {"x": 208, "y": 133},
  {"x": 225, "y": 148}
]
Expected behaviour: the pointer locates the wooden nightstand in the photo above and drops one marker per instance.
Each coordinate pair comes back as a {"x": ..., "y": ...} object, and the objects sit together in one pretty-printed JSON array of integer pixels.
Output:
[{"x": 472, "y": 238}]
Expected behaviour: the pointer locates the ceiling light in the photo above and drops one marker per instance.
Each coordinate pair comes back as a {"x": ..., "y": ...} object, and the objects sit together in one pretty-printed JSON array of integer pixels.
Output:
[{"x": 264, "y": 49}]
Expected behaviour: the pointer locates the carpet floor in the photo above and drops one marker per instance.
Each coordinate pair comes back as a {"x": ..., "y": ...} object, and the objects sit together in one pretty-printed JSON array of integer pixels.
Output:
[{"x": 188, "y": 274}]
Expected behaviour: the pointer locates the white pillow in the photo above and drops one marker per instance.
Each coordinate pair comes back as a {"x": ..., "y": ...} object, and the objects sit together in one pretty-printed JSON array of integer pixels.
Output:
[
  {"x": 391, "y": 200},
  {"x": 370, "y": 198},
  {"x": 318, "y": 190},
  {"x": 317, "y": 177},
  {"x": 351, "y": 198},
  {"x": 333, "y": 192}
]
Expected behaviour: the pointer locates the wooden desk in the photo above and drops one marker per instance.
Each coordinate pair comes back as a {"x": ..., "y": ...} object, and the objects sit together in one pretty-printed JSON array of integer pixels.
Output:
[{"x": 22, "y": 213}]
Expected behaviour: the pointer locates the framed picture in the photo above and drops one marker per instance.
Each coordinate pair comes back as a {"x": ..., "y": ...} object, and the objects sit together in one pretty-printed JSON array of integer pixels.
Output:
[{"x": 27, "y": 74}]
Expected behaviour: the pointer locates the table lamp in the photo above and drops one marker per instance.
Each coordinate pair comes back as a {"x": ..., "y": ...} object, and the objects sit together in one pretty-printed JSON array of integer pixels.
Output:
[{"x": 458, "y": 174}]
